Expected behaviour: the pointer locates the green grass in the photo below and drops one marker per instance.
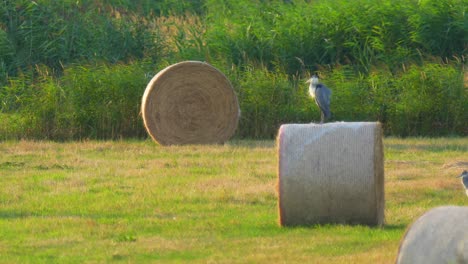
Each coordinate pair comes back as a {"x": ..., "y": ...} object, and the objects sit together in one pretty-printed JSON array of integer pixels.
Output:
[{"x": 136, "y": 202}]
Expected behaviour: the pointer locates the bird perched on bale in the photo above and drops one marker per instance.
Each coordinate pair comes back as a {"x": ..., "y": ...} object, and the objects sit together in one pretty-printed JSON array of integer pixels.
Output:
[
  {"x": 464, "y": 180},
  {"x": 321, "y": 94}
]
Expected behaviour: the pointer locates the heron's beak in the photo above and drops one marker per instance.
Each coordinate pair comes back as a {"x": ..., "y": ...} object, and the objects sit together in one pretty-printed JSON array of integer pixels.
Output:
[{"x": 308, "y": 81}]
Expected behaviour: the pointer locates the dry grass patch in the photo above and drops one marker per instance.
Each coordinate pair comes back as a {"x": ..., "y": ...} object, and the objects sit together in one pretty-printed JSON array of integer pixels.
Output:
[{"x": 134, "y": 201}]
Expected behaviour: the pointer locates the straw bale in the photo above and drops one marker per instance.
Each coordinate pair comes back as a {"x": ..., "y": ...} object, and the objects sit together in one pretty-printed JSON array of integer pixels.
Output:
[
  {"x": 190, "y": 102},
  {"x": 331, "y": 173},
  {"x": 436, "y": 237},
  {"x": 462, "y": 251}
]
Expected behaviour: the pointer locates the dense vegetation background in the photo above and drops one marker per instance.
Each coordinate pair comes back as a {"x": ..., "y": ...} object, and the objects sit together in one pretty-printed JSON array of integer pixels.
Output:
[{"x": 77, "y": 69}]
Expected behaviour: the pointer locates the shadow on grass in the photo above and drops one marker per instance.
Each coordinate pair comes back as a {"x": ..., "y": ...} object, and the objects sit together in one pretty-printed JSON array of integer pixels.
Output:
[
  {"x": 437, "y": 148},
  {"x": 22, "y": 215},
  {"x": 251, "y": 143},
  {"x": 387, "y": 227}
]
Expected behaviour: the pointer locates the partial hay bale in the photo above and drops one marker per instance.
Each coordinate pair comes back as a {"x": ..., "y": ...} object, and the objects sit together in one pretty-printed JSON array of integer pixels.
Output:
[
  {"x": 331, "y": 173},
  {"x": 435, "y": 237},
  {"x": 190, "y": 102},
  {"x": 462, "y": 252}
]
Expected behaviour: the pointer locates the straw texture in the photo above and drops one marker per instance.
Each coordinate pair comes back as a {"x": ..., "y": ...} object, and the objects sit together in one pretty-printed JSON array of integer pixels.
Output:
[
  {"x": 190, "y": 103},
  {"x": 436, "y": 237},
  {"x": 331, "y": 173},
  {"x": 462, "y": 251}
]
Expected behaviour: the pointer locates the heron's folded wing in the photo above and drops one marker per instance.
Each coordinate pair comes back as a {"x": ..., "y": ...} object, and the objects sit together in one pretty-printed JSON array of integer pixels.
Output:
[
  {"x": 465, "y": 182},
  {"x": 322, "y": 98}
]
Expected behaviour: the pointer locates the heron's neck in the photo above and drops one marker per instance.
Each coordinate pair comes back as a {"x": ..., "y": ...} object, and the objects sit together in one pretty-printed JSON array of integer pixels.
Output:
[{"x": 312, "y": 88}]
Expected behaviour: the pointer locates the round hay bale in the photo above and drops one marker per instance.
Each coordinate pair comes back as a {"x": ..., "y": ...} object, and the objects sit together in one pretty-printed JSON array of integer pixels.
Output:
[
  {"x": 462, "y": 253},
  {"x": 190, "y": 102},
  {"x": 331, "y": 173},
  {"x": 436, "y": 237}
]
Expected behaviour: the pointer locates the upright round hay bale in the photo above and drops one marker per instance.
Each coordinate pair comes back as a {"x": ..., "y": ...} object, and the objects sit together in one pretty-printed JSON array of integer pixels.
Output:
[
  {"x": 190, "y": 102},
  {"x": 462, "y": 251},
  {"x": 331, "y": 173},
  {"x": 436, "y": 237}
]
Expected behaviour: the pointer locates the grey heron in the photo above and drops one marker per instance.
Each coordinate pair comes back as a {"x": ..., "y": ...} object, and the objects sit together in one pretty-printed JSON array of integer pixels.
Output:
[
  {"x": 464, "y": 180},
  {"x": 321, "y": 94}
]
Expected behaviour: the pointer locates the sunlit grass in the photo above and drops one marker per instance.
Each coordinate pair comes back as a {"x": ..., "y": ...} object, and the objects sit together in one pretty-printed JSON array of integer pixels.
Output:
[{"x": 134, "y": 201}]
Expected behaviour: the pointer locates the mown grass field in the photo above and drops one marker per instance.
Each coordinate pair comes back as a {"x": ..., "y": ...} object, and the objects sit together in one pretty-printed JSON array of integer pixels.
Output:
[{"x": 136, "y": 202}]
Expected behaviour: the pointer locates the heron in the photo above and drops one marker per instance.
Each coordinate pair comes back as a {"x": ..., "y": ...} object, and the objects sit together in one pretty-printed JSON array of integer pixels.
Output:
[
  {"x": 464, "y": 180},
  {"x": 321, "y": 95}
]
